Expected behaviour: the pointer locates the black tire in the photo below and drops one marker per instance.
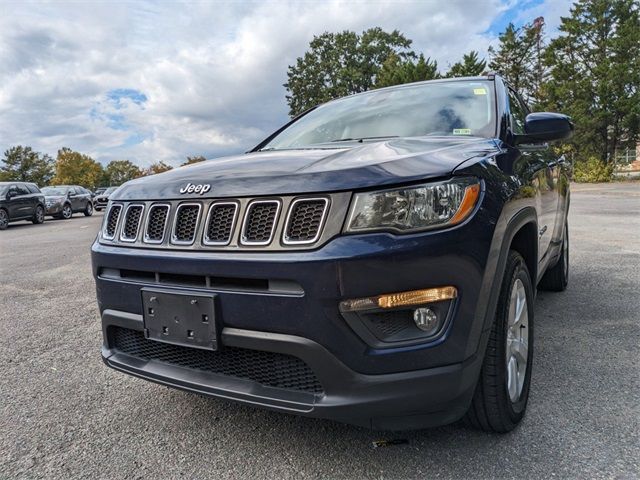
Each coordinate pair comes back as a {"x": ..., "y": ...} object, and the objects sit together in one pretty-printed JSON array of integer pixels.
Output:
[
  {"x": 97, "y": 209},
  {"x": 4, "y": 219},
  {"x": 492, "y": 409},
  {"x": 67, "y": 212},
  {"x": 38, "y": 216},
  {"x": 556, "y": 278},
  {"x": 88, "y": 211}
]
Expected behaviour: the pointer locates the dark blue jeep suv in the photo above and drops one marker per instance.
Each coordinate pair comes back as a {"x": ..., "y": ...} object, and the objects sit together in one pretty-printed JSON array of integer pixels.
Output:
[{"x": 374, "y": 261}]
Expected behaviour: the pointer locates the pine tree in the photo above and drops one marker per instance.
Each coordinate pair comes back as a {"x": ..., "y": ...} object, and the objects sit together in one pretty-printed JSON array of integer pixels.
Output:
[
  {"x": 595, "y": 75},
  {"x": 469, "y": 66}
]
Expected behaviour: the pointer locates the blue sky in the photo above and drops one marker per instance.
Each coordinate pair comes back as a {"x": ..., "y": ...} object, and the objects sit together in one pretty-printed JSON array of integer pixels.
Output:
[{"x": 150, "y": 81}]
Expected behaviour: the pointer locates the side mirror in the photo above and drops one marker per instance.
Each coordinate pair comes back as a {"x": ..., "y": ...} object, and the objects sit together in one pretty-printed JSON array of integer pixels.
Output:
[
  {"x": 11, "y": 194},
  {"x": 546, "y": 127}
]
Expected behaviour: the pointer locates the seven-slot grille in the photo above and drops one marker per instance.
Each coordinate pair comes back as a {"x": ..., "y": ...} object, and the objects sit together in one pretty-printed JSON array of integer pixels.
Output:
[
  {"x": 132, "y": 218},
  {"x": 260, "y": 222},
  {"x": 220, "y": 223},
  {"x": 305, "y": 219},
  {"x": 156, "y": 223},
  {"x": 186, "y": 223}
]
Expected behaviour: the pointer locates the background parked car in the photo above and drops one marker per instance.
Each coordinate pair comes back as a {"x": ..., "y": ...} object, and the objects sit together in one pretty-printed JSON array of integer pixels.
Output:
[
  {"x": 99, "y": 190},
  {"x": 20, "y": 201},
  {"x": 102, "y": 199},
  {"x": 64, "y": 200}
]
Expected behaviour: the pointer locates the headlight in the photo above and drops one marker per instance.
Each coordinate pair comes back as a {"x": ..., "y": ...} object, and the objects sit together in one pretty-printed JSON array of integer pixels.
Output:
[{"x": 418, "y": 207}]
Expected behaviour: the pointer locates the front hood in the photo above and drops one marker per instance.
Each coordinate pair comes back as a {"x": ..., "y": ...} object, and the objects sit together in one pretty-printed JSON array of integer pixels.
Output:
[
  {"x": 54, "y": 198},
  {"x": 311, "y": 170}
]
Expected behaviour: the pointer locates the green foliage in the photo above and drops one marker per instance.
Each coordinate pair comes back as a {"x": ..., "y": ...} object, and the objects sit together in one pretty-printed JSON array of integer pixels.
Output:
[
  {"x": 593, "y": 170},
  {"x": 396, "y": 71},
  {"x": 157, "y": 167},
  {"x": 23, "y": 164},
  {"x": 74, "y": 168},
  {"x": 339, "y": 64},
  {"x": 595, "y": 70},
  {"x": 121, "y": 171},
  {"x": 519, "y": 58},
  {"x": 469, "y": 66},
  {"x": 192, "y": 160}
]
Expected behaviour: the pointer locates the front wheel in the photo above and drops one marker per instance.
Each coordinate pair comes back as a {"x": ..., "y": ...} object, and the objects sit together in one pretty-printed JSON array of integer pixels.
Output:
[
  {"x": 67, "y": 212},
  {"x": 89, "y": 210},
  {"x": 501, "y": 395},
  {"x": 4, "y": 219},
  {"x": 38, "y": 216}
]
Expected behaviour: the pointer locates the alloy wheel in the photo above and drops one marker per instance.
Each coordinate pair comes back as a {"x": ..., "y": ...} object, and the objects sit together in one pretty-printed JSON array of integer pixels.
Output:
[
  {"x": 66, "y": 211},
  {"x": 517, "y": 347}
]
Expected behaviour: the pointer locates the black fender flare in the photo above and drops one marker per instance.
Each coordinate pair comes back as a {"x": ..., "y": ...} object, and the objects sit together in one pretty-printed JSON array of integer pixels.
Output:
[{"x": 520, "y": 219}]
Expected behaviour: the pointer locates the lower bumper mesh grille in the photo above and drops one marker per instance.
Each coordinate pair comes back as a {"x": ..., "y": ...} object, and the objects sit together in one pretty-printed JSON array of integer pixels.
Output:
[{"x": 266, "y": 368}]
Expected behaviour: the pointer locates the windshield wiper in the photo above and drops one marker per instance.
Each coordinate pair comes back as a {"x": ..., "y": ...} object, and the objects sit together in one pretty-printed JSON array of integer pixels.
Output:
[{"x": 360, "y": 139}]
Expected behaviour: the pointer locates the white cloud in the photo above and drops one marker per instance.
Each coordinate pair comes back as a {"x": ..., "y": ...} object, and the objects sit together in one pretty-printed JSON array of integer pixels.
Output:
[{"x": 212, "y": 73}]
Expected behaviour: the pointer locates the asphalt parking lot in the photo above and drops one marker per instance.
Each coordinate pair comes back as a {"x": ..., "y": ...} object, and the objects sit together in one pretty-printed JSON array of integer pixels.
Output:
[{"x": 63, "y": 414}]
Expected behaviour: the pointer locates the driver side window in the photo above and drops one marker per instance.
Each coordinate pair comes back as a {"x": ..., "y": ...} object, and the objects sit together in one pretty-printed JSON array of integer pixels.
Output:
[
  {"x": 518, "y": 113},
  {"x": 22, "y": 190}
]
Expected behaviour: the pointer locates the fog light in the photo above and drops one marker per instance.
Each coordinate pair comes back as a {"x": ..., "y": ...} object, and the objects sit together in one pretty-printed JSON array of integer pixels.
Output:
[{"x": 425, "y": 319}]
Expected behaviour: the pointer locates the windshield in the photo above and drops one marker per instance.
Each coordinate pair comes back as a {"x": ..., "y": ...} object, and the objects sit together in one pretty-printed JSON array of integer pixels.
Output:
[
  {"x": 460, "y": 108},
  {"x": 109, "y": 190},
  {"x": 54, "y": 190}
]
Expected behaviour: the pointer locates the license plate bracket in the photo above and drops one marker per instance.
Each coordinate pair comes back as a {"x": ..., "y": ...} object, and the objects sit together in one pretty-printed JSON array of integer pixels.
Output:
[{"x": 180, "y": 318}]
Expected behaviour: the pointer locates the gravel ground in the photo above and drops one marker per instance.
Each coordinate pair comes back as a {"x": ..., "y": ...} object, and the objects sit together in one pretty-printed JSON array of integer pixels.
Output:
[{"x": 63, "y": 414}]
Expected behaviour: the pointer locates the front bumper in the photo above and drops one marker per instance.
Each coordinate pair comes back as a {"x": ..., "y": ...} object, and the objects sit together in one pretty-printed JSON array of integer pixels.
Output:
[
  {"x": 405, "y": 400},
  {"x": 411, "y": 386},
  {"x": 54, "y": 209}
]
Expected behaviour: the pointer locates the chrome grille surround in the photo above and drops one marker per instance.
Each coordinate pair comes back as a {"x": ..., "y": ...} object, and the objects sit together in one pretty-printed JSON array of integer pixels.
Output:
[
  {"x": 250, "y": 223},
  {"x": 207, "y": 236},
  {"x": 287, "y": 237},
  {"x": 334, "y": 216},
  {"x": 178, "y": 239},
  {"x": 133, "y": 215},
  {"x": 150, "y": 228}
]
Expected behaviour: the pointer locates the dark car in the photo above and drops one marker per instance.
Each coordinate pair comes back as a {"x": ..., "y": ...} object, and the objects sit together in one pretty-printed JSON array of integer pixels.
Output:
[
  {"x": 65, "y": 200},
  {"x": 20, "y": 201},
  {"x": 99, "y": 190},
  {"x": 102, "y": 199},
  {"x": 374, "y": 261}
]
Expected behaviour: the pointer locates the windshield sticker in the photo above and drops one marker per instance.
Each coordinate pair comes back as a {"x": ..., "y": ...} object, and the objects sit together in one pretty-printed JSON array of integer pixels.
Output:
[
  {"x": 462, "y": 131},
  {"x": 479, "y": 91}
]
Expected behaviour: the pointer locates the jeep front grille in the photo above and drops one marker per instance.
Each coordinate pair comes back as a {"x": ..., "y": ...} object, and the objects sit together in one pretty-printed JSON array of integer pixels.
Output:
[
  {"x": 186, "y": 223},
  {"x": 260, "y": 222},
  {"x": 156, "y": 223},
  {"x": 220, "y": 223},
  {"x": 132, "y": 219},
  {"x": 227, "y": 224},
  {"x": 112, "y": 221},
  {"x": 305, "y": 219}
]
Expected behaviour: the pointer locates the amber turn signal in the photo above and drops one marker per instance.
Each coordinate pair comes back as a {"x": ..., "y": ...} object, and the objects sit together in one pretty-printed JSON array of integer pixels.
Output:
[
  {"x": 467, "y": 205},
  {"x": 401, "y": 299}
]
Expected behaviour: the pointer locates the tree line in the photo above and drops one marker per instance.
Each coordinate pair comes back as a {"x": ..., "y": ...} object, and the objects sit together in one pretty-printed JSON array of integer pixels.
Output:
[
  {"x": 590, "y": 71},
  {"x": 22, "y": 163}
]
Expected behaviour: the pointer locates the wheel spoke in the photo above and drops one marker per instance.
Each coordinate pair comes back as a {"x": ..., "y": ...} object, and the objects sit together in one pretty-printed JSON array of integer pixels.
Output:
[{"x": 512, "y": 378}]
